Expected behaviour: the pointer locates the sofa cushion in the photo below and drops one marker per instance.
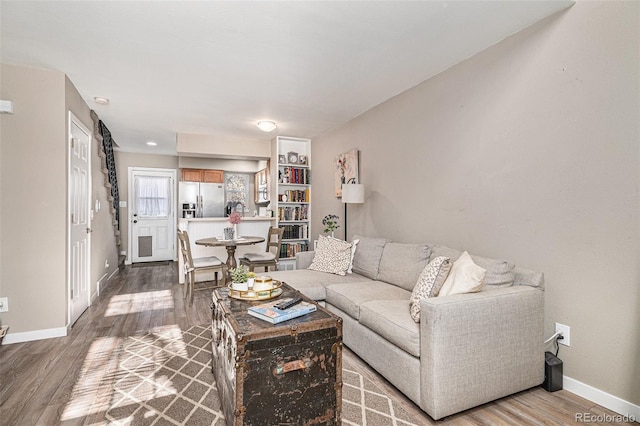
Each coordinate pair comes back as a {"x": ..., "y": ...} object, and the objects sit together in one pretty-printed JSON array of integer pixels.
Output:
[
  {"x": 401, "y": 264},
  {"x": 429, "y": 283},
  {"x": 349, "y": 296},
  {"x": 312, "y": 283},
  {"x": 332, "y": 256},
  {"x": 499, "y": 272},
  {"x": 391, "y": 320},
  {"x": 464, "y": 277},
  {"x": 366, "y": 259}
]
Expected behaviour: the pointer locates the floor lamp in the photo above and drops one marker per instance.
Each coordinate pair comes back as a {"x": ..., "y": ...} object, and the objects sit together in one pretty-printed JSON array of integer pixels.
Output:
[{"x": 352, "y": 193}]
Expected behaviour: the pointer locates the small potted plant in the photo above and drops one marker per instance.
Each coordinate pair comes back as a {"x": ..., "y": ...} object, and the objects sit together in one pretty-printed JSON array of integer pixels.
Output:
[
  {"x": 240, "y": 278},
  {"x": 330, "y": 223}
]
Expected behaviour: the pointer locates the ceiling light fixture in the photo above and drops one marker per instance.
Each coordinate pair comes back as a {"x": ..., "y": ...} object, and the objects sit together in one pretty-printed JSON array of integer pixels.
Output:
[
  {"x": 101, "y": 101},
  {"x": 151, "y": 143},
  {"x": 267, "y": 126}
]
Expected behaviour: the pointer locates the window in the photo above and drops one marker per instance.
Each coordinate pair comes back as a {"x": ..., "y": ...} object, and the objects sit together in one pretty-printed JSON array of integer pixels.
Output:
[
  {"x": 236, "y": 190},
  {"x": 153, "y": 196}
]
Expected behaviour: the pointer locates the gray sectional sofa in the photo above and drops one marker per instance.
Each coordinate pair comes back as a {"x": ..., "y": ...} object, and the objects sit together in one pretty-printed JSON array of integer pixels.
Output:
[{"x": 468, "y": 349}]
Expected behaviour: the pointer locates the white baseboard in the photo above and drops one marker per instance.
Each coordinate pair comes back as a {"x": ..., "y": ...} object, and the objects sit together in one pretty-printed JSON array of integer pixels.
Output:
[
  {"x": 29, "y": 336},
  {"x": 602, "y": 398},
  {"x": 115, "y": 271}
]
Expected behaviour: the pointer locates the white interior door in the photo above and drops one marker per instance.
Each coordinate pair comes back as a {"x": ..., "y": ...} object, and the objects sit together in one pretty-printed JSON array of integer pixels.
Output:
[
  {"x": 152, "y": 214},
  {"x": 79, "y": 218}
]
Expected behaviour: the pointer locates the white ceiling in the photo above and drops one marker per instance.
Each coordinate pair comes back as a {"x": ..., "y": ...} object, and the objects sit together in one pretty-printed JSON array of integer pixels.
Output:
[{"x": 217, "y": 67}]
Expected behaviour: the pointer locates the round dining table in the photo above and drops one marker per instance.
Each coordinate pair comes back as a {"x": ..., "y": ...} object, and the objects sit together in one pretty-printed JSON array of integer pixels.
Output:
[{"x": 230, "y": 245}]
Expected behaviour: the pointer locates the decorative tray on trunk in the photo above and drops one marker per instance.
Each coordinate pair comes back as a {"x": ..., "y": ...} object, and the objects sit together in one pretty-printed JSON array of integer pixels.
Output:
[{"x": 263, "y": 294}]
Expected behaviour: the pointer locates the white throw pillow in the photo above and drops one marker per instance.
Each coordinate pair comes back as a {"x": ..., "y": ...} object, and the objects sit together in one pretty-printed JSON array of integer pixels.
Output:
[
  {"x": 429, "y": 283},
  {"x": 331, "y": 255},
  {"x": 354, "y": 245},
  {"x": 465, "y": 277}
]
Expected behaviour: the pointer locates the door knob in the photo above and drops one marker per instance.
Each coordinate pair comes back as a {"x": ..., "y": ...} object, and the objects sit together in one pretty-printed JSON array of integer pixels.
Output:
[{"x": 135, "y": 221}]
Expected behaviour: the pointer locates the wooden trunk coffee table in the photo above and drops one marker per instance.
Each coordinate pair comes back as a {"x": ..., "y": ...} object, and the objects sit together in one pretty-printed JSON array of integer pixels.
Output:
[{"x": 287, "y": 373}]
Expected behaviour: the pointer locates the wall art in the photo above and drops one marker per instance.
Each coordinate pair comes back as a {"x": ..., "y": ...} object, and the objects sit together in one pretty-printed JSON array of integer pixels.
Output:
[{"x": 345, "y": 170}]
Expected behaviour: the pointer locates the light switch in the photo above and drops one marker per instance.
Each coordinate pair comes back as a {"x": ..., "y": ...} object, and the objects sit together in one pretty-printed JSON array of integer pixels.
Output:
[{"x": 123, "y": 204}]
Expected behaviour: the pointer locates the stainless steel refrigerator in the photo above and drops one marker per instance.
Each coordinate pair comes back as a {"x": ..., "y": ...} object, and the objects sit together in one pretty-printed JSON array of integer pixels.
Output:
[{"x": 198, "y": 199}]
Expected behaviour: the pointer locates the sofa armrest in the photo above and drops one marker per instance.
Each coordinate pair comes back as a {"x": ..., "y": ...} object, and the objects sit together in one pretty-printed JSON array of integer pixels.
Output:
[
  {"x": 304, "y": 259},
  {"x": 475, "y": 348}
]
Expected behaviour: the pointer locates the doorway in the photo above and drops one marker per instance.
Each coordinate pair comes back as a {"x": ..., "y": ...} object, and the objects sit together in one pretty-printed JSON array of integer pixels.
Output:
[
  {"x": 79, "y": 217},
  {"x": 152, "y": 219}
]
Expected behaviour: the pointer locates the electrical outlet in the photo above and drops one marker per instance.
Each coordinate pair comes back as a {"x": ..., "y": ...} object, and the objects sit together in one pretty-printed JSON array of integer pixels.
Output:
[
  {"x": 4, "y": 304},
  {"x": 106, "y": 263},
  {"x": 566, "y": 334}
]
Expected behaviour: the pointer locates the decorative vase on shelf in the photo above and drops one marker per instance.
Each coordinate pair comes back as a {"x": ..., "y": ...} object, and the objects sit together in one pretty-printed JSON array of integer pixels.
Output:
[{"x": 235, "y": 231}]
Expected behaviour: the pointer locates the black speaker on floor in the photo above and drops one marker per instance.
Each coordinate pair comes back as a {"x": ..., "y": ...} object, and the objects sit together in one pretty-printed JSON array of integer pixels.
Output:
[{"x": 552, "y": 372}]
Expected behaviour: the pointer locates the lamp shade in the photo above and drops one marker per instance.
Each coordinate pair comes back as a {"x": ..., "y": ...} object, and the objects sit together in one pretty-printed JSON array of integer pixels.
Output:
[{"x": 353, "y": 193}]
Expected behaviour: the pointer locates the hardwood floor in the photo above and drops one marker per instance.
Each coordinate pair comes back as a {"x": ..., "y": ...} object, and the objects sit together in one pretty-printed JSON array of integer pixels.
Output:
[{"x": 62, "y": 380}]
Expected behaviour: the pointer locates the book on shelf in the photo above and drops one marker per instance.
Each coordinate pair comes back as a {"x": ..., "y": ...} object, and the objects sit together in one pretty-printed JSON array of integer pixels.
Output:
[
  {"x": 293, "y": 213},
  {"x": 289, "y": 250},
  {"x": 267, "y": 311},
  {"x": 295, "y": 232},
  {"x": 295, "y": 196},
  {"x": 296, "y": 175}
]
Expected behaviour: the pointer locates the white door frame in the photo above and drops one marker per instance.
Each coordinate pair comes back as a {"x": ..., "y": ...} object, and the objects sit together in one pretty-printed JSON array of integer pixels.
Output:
[
  {"x": 131, "y": 200},
  {"x": 87, "y": 267}
]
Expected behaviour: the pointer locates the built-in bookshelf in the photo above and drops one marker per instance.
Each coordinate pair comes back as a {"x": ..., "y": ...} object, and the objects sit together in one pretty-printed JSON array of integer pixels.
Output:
[{"x": 292, "y": 178}]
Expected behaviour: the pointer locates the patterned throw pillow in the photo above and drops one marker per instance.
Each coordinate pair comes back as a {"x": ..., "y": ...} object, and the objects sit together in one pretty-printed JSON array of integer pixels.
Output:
[
  {"x": 331, "y": 255},
  {"x": 429, "y": 283}
]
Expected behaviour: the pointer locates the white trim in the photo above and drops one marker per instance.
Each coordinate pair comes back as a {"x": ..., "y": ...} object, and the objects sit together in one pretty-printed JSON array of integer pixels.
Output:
[
  {"x": 602, "y": 398},
  {"x": 29, "y": 336},
  {"x": 115, "y": 271}
]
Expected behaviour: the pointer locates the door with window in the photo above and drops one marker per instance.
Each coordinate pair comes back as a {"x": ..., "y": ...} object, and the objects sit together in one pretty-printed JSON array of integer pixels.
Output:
[{"x": 152, "y": 219}]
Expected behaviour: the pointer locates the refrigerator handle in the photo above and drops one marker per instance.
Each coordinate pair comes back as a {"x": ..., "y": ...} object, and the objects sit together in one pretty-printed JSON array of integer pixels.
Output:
[{"x": 201, "y": 207}]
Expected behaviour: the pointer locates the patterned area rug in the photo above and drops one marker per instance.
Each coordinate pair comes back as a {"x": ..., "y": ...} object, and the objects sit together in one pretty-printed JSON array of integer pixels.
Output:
[{"x": 165, "y": 378}]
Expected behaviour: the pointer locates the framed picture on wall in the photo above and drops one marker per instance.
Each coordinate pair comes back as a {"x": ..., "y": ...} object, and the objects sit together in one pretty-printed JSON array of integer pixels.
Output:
[{"x": 345, "y": 170}]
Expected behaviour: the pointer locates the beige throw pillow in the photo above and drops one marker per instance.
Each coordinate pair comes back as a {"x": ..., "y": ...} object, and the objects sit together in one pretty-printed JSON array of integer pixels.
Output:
[
  {"x": 354, "y": 245},
  {"x": 331, "y": 255},
  {"x": 429, "y": 283},
  {"x": 465, "y": 277}
]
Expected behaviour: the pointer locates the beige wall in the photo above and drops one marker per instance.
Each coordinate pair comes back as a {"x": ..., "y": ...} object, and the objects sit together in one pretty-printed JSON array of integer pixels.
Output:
[
  {"x": 188, "y": 144},
  {"x": 103, "y": 240},
  {"x": 33, "y": 182},
  {"x": 33, "y": 174},
  {"x": 528, "y": 151},
  {"x": 124, "y": 160}
]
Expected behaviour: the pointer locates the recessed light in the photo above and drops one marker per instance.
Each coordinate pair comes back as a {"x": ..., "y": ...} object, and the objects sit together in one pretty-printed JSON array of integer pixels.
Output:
[
  {"x": 101, "y": 101},
  {"x": 267, "y": 125},
  {"x": 151, "y": 143}
]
